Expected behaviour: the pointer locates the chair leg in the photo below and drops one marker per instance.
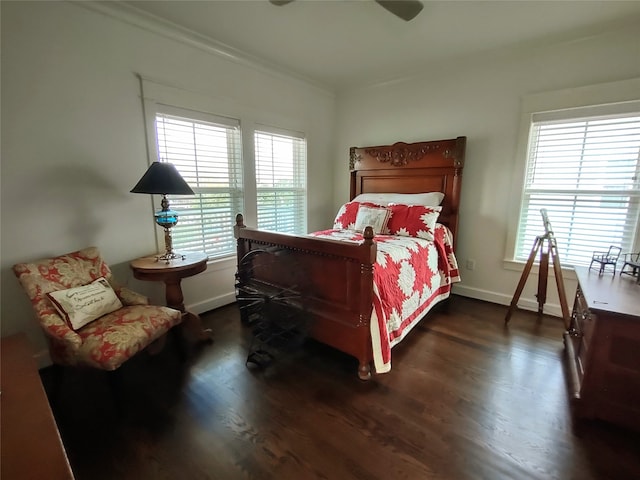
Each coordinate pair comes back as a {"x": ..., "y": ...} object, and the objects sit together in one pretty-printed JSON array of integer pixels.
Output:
[
  {"x": 57, "y": 375},
  {"x": 177, "y": 337},
  {"x": 116, "y": 383},
  {"x": 157, "y": 346}
]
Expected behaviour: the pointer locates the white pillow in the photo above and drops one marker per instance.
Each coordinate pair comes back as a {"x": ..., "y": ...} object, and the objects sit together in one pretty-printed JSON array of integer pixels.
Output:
[
  {"x": 82, "y": 305},
  {"x": 374, "y": 217},
  {"x": 431, "y": 199}
]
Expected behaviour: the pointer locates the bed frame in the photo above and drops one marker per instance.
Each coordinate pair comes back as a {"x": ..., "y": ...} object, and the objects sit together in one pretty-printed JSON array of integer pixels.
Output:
[{"x": 332, "y": 280}]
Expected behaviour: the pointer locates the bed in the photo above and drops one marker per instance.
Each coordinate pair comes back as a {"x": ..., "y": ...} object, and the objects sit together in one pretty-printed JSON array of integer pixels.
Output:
[{"x": 329, "y": 277}]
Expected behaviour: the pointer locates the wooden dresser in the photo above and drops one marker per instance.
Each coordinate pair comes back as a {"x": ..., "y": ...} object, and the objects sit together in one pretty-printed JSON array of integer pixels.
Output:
[
  {"x": 603, "y": 348},
  {"x": 31, "y": 446}
]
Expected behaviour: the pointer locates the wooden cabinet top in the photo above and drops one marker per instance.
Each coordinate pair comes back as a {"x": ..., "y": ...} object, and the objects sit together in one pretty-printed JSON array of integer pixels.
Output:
[
  {"x": 31, "y": 444},
  {"x": 619, "y": 294}
]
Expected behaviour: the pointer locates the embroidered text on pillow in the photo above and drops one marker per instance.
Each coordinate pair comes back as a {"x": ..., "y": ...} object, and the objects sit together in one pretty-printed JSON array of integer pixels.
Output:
[
  {"x": 374, "y": 217},
  {"x": 82, "y": 305}
]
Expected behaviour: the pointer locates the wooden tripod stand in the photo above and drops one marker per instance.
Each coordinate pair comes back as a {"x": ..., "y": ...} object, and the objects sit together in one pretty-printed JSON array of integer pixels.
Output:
[{"x": 546, "y": 251}]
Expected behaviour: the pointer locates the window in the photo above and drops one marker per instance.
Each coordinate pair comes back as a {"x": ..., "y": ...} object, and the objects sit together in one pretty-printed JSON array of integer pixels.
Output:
[
  {"x": 585, "y": 170},
  {"x": 206, "y": 150},
  {"x": 261, "y": 174},
  {"x": 281, "y": 179}
]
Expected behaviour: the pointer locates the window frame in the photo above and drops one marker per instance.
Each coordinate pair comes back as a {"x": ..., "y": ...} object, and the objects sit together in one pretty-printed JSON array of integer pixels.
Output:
[
  {"x": 154, "y": 94},
  {"x": 301, "y": 174},
  {"x": 236, "y": 195},
  {"x": 559, "y": 103}
]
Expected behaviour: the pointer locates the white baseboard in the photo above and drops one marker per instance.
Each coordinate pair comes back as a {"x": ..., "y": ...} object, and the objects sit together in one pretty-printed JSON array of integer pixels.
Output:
[
  {"x": 212, "y": 303},
  {"x": 553, "y": 309},
  {"x": 44, "y": 360},
  {"x": 458, "y": 289}
]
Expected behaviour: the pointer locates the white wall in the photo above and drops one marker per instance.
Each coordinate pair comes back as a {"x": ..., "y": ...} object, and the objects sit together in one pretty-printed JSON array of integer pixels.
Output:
[
  {"x": 73, "y": 143},
  {"x": 480, "y": 98}
]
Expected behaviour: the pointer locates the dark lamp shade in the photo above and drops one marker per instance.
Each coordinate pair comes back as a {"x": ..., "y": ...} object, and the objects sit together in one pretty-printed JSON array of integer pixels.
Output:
[{"x": 163, "y": 179}]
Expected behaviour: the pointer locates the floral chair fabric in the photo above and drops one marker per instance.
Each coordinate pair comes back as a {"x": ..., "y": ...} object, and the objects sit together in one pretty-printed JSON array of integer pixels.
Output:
[{"x": 110, "y": 340}]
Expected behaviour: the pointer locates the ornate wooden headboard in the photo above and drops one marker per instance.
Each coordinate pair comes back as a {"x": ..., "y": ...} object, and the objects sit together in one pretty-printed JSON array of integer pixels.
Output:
[{"x": 419, "y": 167}]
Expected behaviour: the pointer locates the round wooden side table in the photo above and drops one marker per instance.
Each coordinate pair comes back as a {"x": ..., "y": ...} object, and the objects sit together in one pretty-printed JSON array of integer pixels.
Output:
[{"x": 172, "y": 273}]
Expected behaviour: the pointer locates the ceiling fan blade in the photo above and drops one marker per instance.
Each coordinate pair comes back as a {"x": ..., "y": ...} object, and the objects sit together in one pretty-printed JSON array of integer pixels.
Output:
[{"x": 404, "y": 9}]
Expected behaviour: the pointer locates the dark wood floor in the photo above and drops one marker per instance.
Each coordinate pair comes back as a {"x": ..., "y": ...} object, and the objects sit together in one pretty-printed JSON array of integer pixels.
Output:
[{"x": 465, "y": 399}]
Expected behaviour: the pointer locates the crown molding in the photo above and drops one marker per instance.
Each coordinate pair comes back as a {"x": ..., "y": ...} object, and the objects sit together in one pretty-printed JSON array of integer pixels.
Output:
[
  {"x": 138, "y": 18},
  {"x": 512, "y": 52}
]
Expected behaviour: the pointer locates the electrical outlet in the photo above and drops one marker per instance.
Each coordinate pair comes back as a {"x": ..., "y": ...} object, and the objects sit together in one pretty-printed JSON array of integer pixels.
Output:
[{"x": 471, "y": 264}]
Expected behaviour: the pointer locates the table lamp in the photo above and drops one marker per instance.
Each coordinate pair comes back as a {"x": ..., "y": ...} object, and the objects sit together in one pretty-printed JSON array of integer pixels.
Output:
[{"x": 164, "y": 179}]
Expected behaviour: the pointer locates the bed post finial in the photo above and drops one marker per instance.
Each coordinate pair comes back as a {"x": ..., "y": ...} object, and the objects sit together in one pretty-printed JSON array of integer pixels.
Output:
[
  {"x": 368, "y": 235},
  {"x": 240, "y": 221}
]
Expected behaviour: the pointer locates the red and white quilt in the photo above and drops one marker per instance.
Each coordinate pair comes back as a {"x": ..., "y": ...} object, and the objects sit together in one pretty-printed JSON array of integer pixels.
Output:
[{"x": 411, "y": 275}]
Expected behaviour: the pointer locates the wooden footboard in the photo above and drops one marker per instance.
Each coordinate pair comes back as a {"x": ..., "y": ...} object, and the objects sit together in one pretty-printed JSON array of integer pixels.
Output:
[{"x": 334, "y": 278}]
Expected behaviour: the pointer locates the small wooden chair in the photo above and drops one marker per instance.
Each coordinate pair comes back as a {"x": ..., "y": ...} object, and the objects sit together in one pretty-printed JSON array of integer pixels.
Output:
[
  {"x": 631, "y": 260},
  {"x": 610, "y": 257}
]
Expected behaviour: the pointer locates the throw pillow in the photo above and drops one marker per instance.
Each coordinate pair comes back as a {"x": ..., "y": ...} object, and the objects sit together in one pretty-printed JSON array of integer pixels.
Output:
[
  {"x": 346, "y": 216},
  {"x": 374, "y": 217},
  {"x": 430, "y": 199},
  {"x": 82, "y": 305},
  {"x": 413, "y": 220}
]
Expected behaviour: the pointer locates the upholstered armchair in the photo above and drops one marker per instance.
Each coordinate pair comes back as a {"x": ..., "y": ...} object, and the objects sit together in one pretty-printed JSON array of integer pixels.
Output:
[{"x": 84, "y": 322}]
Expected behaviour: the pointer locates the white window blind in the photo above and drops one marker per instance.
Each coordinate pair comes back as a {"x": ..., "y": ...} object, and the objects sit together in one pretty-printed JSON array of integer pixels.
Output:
[
  {"x": 281, "y": 181},
  {"x": 586, "y": 173},
  {"x": 206, "y": 150}
]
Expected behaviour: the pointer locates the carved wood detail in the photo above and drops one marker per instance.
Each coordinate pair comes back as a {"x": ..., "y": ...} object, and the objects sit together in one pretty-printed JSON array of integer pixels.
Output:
[
  {"x": 458, "y": 155},
  {"x": 363, "y": 321},
  {"x": 272, "y": 247},
  {"x": 401, "y": 154},
  {"x": 353, "y": 158}
]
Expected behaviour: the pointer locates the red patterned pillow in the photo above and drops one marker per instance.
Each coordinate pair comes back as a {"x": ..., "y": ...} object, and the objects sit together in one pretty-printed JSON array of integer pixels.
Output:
[
  {"x": 347, "y": 214},
  {"x": 413, "y": 220}
]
